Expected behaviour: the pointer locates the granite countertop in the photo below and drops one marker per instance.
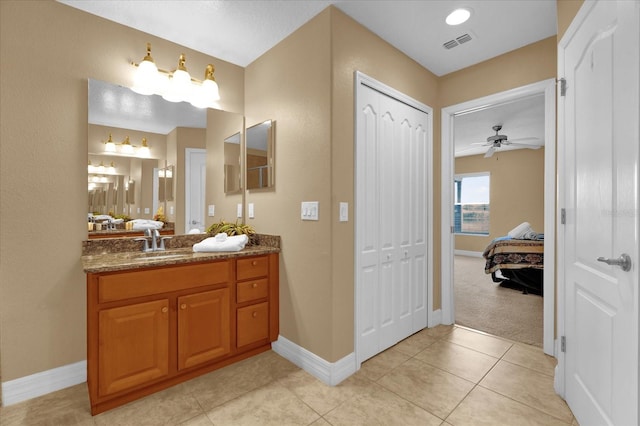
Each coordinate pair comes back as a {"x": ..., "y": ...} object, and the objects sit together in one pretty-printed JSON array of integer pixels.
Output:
[{"x": 123, "y": 254}]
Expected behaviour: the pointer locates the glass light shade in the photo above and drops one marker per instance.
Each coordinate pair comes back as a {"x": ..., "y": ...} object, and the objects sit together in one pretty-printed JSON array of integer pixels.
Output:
[
  {"x": 458, "y": 16},
  {"x": 206, "y": 95},
  {"x": 126, "y": 148},
  {"x": 144, "y": 152},
  {"x": 145, "y": 80},
  {"x": 109, "y": 146},
  {"x": 179, "y": 87}
]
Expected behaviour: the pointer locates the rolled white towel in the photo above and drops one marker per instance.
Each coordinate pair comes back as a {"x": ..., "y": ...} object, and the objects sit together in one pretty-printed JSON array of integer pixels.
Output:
[
  {"x": 529, "y": 235},
  {"x": 195, "y": 231},
  {"x": 520, "y": 230},
  {"x": 142, "y": 224},
  {"x": 234, "y": 243},
  {"x": 221, "y": 237}
]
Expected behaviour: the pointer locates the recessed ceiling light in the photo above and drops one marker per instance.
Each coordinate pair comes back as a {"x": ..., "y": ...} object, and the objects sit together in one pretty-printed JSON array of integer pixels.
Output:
[{"x": 458, "y": 16}]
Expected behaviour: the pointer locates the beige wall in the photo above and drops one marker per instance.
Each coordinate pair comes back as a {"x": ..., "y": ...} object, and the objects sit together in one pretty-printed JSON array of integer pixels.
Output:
[
  {"x": 516, "y": 193},
  {"x": 308, "y": 90},
  {"x": 566, "y": 11},
  {"x": 48, "y": 51}
]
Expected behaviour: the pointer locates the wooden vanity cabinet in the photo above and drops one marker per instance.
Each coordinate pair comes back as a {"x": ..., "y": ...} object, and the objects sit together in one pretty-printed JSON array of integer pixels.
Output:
[{"x": 151, "y": 328}]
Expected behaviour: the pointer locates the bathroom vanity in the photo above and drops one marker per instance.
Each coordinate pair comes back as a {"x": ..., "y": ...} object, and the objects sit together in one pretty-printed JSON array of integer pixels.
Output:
[{"x": 158, "y": 319}]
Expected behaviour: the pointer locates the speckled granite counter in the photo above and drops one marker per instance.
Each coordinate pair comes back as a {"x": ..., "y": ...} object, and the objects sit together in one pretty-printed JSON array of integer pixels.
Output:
[{"x": 107, "y": 255}]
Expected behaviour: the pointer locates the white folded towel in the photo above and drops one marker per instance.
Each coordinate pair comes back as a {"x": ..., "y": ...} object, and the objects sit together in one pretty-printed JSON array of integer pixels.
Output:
[
  {"x": 102, "y": 217},
  {"x": 142, "y": 224},
  {"x": 117, "y": 221},
  {"x": 195, "y": 231},
  {"x": 221, "y": 237},
  {"x": 523, "y": 232},
  {"x": 234, "y": 243}
]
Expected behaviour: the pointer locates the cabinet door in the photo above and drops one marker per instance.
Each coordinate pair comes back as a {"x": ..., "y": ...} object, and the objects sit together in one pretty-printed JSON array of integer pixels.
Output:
[
  {"x": 133, "y": 345},
  {"x": 253, "y": 323},
  {"x": 203, "y": 327}
]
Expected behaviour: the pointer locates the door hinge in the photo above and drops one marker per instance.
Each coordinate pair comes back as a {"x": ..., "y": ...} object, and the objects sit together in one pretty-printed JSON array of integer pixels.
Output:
[
  {"x": 453, "y": 230},
  {"x": 563, "y": 344},
  {"x": 563, "y": 216},
  {"x": 563, "y": 86}
]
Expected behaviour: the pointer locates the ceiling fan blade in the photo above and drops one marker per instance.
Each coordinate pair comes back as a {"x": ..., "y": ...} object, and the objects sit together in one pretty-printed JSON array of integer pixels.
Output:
[
  {"x": 490, "y": 152},
  {"x": 470, "y": 148},
  {"x": 525, "y": 145},
  {"x": 508, "y": 141}
]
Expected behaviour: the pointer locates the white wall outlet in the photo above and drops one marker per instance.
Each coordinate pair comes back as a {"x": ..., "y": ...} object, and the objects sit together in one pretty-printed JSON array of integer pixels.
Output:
[
  {"x": 211, "y": 211},
  {"x": 170, "y": 209},
  {"x": 251, "y": 211},
  {"x": 239, "y": 210},
  {"x": 309, "y": 210},
  {"x": 138, "y": 210},
  {"x": 147, "y": 210},
  {"x": 344, "y": 212}
]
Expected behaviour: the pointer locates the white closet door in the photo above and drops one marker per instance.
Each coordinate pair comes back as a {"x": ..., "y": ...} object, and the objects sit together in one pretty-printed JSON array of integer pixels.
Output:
[{"x": 390, "y": 221}]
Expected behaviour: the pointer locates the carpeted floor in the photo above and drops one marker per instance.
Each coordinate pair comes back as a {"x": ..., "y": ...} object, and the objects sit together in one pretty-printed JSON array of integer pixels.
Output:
[{"x": 484, "y": 305}]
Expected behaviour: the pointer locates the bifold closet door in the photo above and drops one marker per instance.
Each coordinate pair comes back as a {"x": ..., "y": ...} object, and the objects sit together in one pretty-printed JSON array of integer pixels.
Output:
[{"x": 391, "y": 221}]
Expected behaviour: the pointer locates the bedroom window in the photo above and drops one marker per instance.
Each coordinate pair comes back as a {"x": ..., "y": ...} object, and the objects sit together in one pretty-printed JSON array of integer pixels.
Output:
[{"x": 471, "y": 209}]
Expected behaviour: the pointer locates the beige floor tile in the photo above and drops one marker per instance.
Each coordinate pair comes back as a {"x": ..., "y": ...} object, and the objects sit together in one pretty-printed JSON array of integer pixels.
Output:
[
  {"x": 531, "y": 357},
  {"x": 416, "y": 342},
  {"x": 220, "y": 386},
  {"x": 68, "y": 406},
  {"x": 428, "y": 387},
  {"x": 201, "y": 420},
  {"x": 463, "y": 362},
  {"x": 378, "y": 406},
  {"x": 268, "y": 405},
  {"x": 381, "y": 364},
  {"x": 528, "y": 387},
  {"x": 439, "y": 330},
  {"x": 320, "y": 422},
  {"x": 484, "y": 407},
  {"x": 320, "y": 396},
  {"x": 490, "y": 345},
  {"x": 168, "y": 407}
]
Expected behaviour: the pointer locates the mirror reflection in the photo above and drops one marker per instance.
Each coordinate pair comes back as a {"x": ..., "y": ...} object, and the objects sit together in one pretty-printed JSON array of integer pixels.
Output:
[
  {"x": 232, "y": 173},
  {"x": 137, "y": 152},
  {"x": 260, "y": 155}
]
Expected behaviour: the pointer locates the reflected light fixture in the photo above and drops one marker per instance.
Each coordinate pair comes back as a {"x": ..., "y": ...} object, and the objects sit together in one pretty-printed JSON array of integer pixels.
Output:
[
  {"x": 175, "y": 86},
  {"x": 126, "y": 146},
  {"x": 458, "y": 17},
  {"x": 144, "y": 150},
  {"x": 109, "y": 145}
]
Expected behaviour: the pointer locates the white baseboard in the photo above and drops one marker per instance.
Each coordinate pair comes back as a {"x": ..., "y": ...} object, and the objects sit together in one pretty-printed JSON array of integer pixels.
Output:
[
  {"x": 468, "y": 253},
  {"x": 42, "y": 383},
  {"x": 436, "y": 318},
  {"x": 330, "y": 373}
]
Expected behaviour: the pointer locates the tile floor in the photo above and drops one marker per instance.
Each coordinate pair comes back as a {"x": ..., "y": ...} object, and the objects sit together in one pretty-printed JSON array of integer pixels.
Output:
[{"x": 447, "y": 375}]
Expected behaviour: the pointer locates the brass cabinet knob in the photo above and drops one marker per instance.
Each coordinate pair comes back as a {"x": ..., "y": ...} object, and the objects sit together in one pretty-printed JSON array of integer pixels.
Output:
[
  {"x": 254, "y": 285},
  {"x": 183, "y": 306},
  {"x": 165, "y": 310},
  {"x": 254, "y": 263},
  {"x": 254, "y": 314}
]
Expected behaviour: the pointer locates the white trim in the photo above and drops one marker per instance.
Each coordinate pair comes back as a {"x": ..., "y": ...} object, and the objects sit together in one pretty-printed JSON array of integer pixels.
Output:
[
  {"x": 188, "y": 152},
  {"x": 363, "y": 79},
  {"x": 435, "y": 319},
  {"x": 468, "y": 253},
  {"x": 447, "y": 161},
  {"x": 331, "y": 373},
  {"x": 42, "y": 383}
]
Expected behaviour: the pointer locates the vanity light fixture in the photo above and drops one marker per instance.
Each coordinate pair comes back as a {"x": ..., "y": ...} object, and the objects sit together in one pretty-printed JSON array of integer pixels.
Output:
[
  {"x": 126, "y": 147},
  {"x": 109, "y": 145},
  {"x": 458, "y": 17},
  {"x": 144, "y": 150},
  {"x": 177, "y": 85}
]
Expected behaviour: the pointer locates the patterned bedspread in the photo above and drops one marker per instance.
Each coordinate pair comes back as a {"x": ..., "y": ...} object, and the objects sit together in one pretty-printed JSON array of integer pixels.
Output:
[{"x": 513, "y": 254}]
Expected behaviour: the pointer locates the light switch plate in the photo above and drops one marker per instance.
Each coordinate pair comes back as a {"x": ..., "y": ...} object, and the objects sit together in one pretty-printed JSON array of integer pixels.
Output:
[
  {"x": 239, "y": 210},
  {"x": 147, "y": 210},
  {"x": 211, "y": 210},
  {"x": 344, "y": 212},
  {"x": 251, "y": 211},
  {"x": 309, "y": 210},
  {"x": 170, "y": 209}
]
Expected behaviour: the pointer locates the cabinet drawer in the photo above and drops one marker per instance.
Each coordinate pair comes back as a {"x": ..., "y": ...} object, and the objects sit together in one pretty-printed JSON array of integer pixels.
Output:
[
  {"x": 253, "y": 323},
  {"x": 126, "y": 285},
  {"x": 252, "y": 267},
  {"x": 252, "y": 290}
]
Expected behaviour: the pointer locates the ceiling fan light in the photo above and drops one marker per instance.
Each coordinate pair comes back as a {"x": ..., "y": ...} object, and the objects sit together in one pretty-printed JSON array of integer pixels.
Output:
[{"x": 458, "y": 17}]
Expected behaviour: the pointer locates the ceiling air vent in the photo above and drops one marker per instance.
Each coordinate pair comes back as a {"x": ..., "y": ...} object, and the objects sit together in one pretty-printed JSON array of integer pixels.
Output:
[{"x": 459, "y": 40}]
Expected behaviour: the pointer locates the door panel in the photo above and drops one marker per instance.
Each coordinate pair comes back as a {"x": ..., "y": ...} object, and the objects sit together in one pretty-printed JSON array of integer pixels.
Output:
[{"x": 600, "y": 120}]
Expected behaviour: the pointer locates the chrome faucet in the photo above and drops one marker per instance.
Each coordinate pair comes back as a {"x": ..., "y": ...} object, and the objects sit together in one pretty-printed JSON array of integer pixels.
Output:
[{"x": 154, "y": 236}]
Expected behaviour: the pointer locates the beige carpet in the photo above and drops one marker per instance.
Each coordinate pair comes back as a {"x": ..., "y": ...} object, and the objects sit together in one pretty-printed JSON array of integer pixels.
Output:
[{"x": 484, "y": 305}]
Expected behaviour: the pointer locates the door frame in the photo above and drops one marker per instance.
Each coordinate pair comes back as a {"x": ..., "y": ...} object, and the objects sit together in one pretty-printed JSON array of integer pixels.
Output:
[
  {"x": 361, "y": 79},
  {"x": 548, "y": 88},
  {"x": 187, "y": 185}
]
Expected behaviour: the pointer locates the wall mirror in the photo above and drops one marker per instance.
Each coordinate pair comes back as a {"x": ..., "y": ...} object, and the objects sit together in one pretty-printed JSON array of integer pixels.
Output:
[
  {"x": 137, "y": 160},
  {"x": 260, "y": 155},
  {"x": 232, "y": 161}
]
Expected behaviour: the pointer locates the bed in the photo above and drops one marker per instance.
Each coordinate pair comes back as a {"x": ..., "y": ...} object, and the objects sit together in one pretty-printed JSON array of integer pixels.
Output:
[{"x": 516, "y": 263}]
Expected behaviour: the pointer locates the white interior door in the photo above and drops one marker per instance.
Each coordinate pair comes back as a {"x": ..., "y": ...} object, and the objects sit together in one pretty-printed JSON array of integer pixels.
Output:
[
  {"x": 599, "y": 121},
  {"x": 391, "y": 221},
  {"x": 195, "y": 181}
]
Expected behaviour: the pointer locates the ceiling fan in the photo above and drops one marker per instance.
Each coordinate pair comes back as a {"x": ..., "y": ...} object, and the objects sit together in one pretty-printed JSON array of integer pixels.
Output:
[{"x": 496, "y": 141}]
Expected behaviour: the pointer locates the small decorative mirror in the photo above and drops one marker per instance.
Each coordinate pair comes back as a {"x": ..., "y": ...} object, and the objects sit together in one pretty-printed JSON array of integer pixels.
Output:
[{"x": 260, "y": 155}]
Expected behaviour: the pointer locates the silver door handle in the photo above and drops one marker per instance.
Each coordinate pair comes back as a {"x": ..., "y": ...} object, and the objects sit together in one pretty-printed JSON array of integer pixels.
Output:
[
  {"x": 194, "y": 222},
  {"x": 624, "y": 261}
]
